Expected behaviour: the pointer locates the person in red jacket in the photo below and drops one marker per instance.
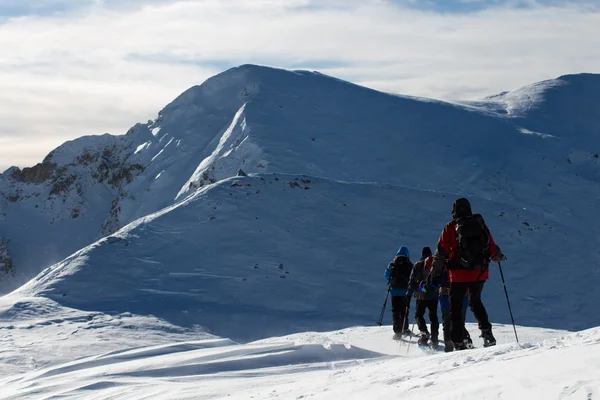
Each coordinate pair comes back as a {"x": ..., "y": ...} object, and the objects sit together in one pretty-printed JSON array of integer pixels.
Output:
[{"x": 465, "y": 247}]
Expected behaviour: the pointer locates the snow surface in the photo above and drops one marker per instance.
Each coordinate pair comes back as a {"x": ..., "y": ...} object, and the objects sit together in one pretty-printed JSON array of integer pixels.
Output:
[
  {"x": 354, "y": 363},
  {"x": 36, "y": 332}
]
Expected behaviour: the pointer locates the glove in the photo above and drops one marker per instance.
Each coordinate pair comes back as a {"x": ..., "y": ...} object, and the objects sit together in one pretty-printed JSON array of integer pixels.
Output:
[
  {"x": 435, "y": 281},
  {"x": 499, "y": 256}
]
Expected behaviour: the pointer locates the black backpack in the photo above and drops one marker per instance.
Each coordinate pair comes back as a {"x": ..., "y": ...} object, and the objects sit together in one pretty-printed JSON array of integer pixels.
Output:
[
  {"x": 401, "y": 269},
  {"x": 473, "y": 242}
]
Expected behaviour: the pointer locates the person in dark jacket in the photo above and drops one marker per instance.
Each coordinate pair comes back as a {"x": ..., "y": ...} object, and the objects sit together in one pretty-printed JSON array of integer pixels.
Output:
[
  {"x": 466, "y": 277},
  {"x": 397, "y": 275},
  {"x": 426, "y": 298}
]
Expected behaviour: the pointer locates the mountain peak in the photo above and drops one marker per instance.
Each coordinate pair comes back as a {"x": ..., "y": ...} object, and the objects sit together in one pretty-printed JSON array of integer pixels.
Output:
[
  {"x": 568, "y": 106},
  {"x": 580, "y": 77},
  {"x": 226, "y": 91},
  {"x": 239, "y": 83}
]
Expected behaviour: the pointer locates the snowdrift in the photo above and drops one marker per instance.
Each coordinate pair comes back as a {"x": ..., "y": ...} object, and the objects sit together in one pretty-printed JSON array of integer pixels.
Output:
[{"x": 341, "y": 364}]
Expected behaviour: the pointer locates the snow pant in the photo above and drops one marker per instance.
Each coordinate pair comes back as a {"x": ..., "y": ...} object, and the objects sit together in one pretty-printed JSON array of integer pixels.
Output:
[
  {"x": 400, "y": 306},
  {"x": 420, "y": 308},
  {"x": 446, "y": 321},
  {"x": 458, "y": 290}
]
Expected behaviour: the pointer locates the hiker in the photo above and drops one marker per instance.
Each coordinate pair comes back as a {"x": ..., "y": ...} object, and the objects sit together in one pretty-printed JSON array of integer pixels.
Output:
[
  {"x": 444, "y": 293},
  {"x": 465, "y": 247},
  {"x": 398, "y": 274},
  {"x": 426, "y": 298}
]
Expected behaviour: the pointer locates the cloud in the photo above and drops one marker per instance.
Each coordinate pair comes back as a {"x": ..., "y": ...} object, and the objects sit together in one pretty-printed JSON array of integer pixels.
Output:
[{"x": 102, "y": 65}]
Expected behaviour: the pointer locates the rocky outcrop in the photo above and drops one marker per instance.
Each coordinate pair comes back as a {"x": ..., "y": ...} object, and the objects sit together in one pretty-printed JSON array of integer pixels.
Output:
[
  {"x": 37, "y": 174},
  {"x": 112, "y": 223},
  {"x": 6, "y": 265}
]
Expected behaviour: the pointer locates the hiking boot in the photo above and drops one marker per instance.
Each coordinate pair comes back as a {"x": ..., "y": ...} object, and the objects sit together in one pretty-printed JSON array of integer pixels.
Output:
[
  {"x": 459, "y": 346},
  {"x": 488, "y": 338},
  {"x": 423, "y": 340},
  {"x": 448, "y": 346},
  {"x": 407, "y": 332},
  {"x": 434, "y": 341}
]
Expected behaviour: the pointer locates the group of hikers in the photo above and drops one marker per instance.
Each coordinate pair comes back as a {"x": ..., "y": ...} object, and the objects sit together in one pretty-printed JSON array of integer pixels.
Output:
[{"x": 453, "y": 276}]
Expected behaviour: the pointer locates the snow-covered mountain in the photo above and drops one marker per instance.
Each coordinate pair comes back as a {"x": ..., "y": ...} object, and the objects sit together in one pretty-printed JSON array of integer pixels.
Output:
[
  {"x": 510, "y": 148},
  {"x": 377, "y": 171},
  {"x": 151, "y": 238}
]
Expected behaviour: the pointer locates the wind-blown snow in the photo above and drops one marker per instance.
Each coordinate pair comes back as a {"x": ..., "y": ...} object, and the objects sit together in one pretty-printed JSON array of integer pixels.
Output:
[
  {"x": 141, "y": 147},
  {"x": 209, "y": 164},
  {"x": 354, "y": 363},
  {"x": 528, "y": 132}
]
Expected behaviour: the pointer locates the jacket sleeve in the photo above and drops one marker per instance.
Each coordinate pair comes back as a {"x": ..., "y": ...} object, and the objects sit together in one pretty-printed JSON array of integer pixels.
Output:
[
  {"x": 388, "y": 273},
  {"x": 494, "y": 249},
  {"x": 445, "y": 245}
]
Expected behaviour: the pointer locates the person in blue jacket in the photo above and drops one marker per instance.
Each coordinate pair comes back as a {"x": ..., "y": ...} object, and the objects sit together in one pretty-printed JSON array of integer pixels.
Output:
[{"x": 397, "y": 275}]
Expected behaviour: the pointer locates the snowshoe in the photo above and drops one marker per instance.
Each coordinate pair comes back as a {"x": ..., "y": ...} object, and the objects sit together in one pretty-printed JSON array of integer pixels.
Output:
[
  {"x": 488, "y": 338},
  {"x": 423, "y": 340},
  {"x": 469, "y": 343},
  {"x": 407, "y": 333},
  {"x": 435, "y": 342}
]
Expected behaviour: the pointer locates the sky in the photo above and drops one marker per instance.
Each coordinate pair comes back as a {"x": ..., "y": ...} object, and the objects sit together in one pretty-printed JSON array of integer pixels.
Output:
[{"x": 70, "y": 68}]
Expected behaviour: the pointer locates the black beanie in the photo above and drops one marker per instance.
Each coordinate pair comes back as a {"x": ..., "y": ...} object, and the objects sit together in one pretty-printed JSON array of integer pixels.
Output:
[
  {"x": 461, "y": 208},
  {"x": 426, "y": 252}
]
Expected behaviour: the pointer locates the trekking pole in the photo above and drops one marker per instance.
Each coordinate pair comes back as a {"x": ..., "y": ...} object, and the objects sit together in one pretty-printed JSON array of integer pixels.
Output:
[
  {"x": 413, "y": 325},
  {"x": 508, "y": 301},
  {"x": 410, "y": 338},
  {"x": 380, "y": 322}
]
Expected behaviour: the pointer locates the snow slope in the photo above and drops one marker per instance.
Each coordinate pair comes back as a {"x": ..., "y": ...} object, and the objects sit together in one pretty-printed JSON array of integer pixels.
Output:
[
  {"x": 266, "y": 120},
  {"x": 35, "y": 333},
  {"x": 566, "y": 107},
  {"x": 278, "y": 254},
  {"x": 355, "y": 363}
]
